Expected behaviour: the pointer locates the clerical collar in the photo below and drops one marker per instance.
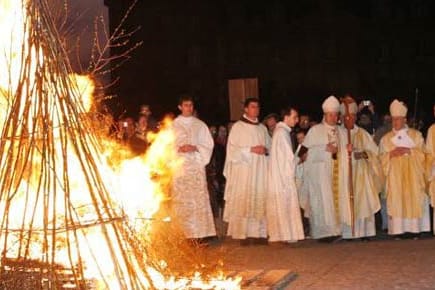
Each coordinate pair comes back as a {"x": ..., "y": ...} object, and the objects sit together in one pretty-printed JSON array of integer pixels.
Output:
[
  {"x": 284, "y": 125},
  {"x": 246, "y": 119}
]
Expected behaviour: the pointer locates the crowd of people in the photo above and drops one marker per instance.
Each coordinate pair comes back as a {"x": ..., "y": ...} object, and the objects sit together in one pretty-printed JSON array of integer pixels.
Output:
[{"x": 289, "y": 178}]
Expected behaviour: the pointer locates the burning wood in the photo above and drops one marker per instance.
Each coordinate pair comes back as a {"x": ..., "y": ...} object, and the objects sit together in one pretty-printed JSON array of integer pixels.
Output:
[{"x": 67, "y": 211}]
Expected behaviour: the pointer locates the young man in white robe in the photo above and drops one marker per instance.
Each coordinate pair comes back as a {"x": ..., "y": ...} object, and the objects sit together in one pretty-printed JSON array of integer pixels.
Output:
[
  {"x": 403, "y": 161},
  {"x": 367, "y": 176},
  {"x": 284, "y": 220},
  {"x": 190, "y": 198},
  {"x": 246, "y": 177},
  {"x": 430, "y": 163},
  {"x": 321, "y": 175}
]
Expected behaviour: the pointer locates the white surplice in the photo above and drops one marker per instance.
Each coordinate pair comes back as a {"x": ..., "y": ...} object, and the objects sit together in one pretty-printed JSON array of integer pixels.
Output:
[
  {"x": 246, "y": 181},
  {"x": 318, "y": 182},
  {"x": 367, "y": 183},
  {"x": 284, "y": 222},
  {"x": 190, "y": 198}
]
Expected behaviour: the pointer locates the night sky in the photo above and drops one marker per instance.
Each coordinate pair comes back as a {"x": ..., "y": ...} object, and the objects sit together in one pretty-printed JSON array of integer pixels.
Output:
[{"x": 301, "y": 51}]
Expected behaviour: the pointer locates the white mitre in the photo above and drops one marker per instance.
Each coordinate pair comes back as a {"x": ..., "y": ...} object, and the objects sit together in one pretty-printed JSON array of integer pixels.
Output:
[
  {"x": 331, "y": 105},
  {"x": 353, "y": 108},
  {"x": 398, "y": 109}
]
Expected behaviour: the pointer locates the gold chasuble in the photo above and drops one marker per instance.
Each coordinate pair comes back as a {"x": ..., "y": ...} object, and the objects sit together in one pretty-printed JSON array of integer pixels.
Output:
[{"x": 405, "y": 177}]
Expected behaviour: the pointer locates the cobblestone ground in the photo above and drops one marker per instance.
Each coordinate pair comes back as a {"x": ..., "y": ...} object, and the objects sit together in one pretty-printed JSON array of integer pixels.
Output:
[{"x": 381, "y": 264}]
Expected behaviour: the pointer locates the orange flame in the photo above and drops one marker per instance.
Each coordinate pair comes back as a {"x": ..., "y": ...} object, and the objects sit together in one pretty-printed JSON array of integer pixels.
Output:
[{"x": 134, "y": 192}]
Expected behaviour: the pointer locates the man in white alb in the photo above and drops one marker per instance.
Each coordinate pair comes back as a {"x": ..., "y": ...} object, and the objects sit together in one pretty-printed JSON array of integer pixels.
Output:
[
  {"x": 190, "y": 198},
  {"x": 246, "y": 174},
  {"x": 284, "y": 220}
]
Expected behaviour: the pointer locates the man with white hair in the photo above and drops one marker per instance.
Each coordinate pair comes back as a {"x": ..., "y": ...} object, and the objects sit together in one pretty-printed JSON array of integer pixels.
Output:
[
  {"x": 320, "y": 199},
  {"x": 403, "y": 161},
  {"x": 359, "y": 156}
]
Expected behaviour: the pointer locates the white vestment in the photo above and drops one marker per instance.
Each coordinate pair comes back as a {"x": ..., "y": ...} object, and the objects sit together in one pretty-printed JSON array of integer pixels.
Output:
[
  {"x": 190, "y": 198},
  {"x": 318, "y": 182},
  {"x": 367, "y": 181},
  {"x": 284, "y": 222},
  {"x": 246, "y": 181}
]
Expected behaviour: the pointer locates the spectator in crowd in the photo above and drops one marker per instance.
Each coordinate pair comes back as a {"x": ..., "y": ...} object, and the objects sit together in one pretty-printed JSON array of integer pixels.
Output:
[
  {"x": 304, "y": 123},
  {"x": 220, "y": 153},
  {"x": 145, "y": 111},
  {"x": 211, "y": 173},
  {"x": 367, "y": 117},
  {"x": 383, "y": 129},
  {"x": 270, "y": 122},
  {"x": 126, "y": 135},
  {"x": 142, "y": 127}
]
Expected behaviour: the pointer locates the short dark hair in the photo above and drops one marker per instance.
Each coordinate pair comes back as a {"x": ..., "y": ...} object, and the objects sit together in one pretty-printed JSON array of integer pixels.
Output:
[
  {"x": 287, "y": 111},
  {"x": 272, "y": 115},
  {"x": 185, "y": 98},
  {"x": 250, "y": 100}
]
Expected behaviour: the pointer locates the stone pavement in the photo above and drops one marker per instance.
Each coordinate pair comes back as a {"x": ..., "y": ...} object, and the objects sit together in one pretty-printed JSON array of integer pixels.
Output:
[{"x": 381, "y": 264}]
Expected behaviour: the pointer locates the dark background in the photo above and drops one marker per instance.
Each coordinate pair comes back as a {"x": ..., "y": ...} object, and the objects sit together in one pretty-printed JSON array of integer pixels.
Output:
[{"x": 301, "y": 51}]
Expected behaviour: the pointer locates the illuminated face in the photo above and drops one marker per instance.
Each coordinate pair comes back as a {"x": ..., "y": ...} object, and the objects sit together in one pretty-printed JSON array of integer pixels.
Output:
[
  {"x": 142, "y": 121},
  {"x": 252, "y": 110},
  {"x": 271, "y": 123},
  {"x": 292, "y": 119},
  {"x": 331, "y": 118},
  {"x": 145, "y": 110},
  {"x": 304, "y": 122},
  {"x": 186, "y": 108},
  {"x": 398, "y": 122}
]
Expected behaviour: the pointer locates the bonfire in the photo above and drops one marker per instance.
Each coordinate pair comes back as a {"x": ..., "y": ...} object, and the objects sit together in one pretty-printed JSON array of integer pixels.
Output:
[{"x": 74, "y": 212}]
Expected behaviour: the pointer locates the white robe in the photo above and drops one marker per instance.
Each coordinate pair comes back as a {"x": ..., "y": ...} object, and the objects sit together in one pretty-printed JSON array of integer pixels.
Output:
[
  {"x": 367, "y": 177},
  {"x": 284, "y": 221},
  {"x": 246, "y": 185},
  {"x": 318, "y": 183},
  {"x": 190, "y": 198}
]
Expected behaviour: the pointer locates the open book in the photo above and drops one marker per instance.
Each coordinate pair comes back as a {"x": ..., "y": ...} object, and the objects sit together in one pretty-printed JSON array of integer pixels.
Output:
[{"x": 402, "y": 139}]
